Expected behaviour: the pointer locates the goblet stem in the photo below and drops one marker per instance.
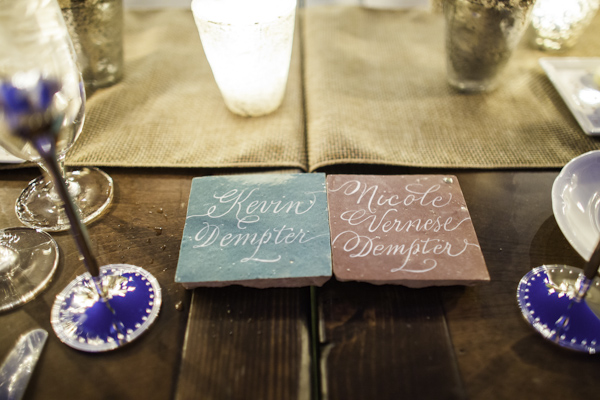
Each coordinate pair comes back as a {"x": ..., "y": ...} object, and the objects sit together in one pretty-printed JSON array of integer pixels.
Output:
[
  {"x": 60, "y": 161},
  {"x": 584, "y": 280},
  {"x": 97, "y": 325},
  {"x": 52, "y": 191},
  {"x": 591, "y": 267},
  {"x": 45, "y": 146},
  {"x": 61, "y": 169}
]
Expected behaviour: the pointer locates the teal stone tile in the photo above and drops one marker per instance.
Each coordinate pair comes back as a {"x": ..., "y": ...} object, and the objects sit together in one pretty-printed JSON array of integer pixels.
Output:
[{"x": 265, "y": 230}]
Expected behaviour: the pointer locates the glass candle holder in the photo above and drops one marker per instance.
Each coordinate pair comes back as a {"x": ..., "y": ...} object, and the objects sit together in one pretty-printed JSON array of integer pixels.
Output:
[
  {"x": 248, "y": 45},
  {"x": 96, "y": 29},
  {"x": 481, "y": 36},
  {"x": 557, "y": 24}
]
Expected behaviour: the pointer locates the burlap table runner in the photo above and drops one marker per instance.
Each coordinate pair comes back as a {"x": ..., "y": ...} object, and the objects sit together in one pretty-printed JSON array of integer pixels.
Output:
[
  {"x": 168, "y": 112},
  {"x": 376, "y": 92}
]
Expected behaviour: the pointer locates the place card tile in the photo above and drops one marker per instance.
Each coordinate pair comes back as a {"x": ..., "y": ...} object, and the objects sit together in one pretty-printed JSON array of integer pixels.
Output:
[
  {"x": 412, "y": 230},
  {"x": 264, "y": 230}
]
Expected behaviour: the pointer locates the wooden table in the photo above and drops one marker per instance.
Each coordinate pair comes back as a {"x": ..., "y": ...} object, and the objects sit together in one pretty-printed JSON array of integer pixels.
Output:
[{"x": 342, "y": 341}]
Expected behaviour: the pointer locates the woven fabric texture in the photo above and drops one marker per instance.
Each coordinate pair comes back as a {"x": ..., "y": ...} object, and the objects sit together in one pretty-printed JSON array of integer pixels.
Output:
[
  {"x": 376, "y": 93},
  {"x": 168, "y": 111}
]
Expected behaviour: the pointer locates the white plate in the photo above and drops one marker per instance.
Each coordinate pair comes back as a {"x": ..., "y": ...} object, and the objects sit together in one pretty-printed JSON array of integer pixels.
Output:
[
  {"x": 573, "y": 79},
  {"x": 576, "y": 202}
]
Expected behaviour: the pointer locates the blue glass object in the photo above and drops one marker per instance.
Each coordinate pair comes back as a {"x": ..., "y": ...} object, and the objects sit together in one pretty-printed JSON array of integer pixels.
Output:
[
  {"x": 18, "y": 103},
  {"x": 84, "y": 321},
  {"x": 548, "y": 298}
]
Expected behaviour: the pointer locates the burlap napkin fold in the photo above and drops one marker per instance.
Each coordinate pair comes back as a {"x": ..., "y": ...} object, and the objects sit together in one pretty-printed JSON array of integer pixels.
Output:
[
  {"x": 376, "y": 92},
  {"x": 168, "y": 111}
]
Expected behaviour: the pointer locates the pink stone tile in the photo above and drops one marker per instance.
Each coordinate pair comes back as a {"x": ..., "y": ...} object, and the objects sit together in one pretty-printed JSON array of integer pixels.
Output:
[{"x": 412, "y": 230}]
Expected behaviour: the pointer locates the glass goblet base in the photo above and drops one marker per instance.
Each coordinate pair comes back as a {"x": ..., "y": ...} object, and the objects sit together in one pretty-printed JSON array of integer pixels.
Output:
[
  {"x": 547, "y": 296},
  {"x": 28, "y": 259},
  {"x": 87, "y": 322},
  {"x": 39, "y": 206}
]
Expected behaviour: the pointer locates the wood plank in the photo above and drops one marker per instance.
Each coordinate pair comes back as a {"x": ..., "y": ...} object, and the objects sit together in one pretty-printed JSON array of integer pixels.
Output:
[
  {"x": 148, "y": 367},
  {"x": 385, "y": 342},
  {"x": 246, "y": 343},
  {"x": 376, "y": 341}
]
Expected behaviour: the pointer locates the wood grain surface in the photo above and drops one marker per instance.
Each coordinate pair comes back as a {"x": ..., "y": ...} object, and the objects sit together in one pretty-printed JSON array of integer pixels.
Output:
[
  {"x": 247, "y": 343},
  {"x": 142, "y": 227},
  {"x": 346, "y": 341}
]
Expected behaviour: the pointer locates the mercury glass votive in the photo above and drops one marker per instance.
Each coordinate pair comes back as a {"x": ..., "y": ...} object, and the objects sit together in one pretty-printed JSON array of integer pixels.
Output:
[
  {"x": 558, "y": 24},
  {"x": 248, "y": 45},
  {"x": 96, "y": 29},
  {"x": 481, "y": 36}
]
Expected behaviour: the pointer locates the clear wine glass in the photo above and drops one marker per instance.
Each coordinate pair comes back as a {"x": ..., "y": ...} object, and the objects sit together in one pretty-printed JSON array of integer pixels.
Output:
[
  {"x": 111, "y": 305},
  {"x": 28, "y": 259},
  {"x": 35, "y": 45}
]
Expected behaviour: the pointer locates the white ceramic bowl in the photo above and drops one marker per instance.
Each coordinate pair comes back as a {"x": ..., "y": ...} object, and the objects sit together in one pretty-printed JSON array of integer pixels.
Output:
[{"x": 576, "y": 202}]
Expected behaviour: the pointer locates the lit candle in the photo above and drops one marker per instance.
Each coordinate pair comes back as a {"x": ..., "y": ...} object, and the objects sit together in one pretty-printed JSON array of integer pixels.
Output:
[
  {"x": 558, "y": 24},
  {"x": 248, "y": 45}
]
